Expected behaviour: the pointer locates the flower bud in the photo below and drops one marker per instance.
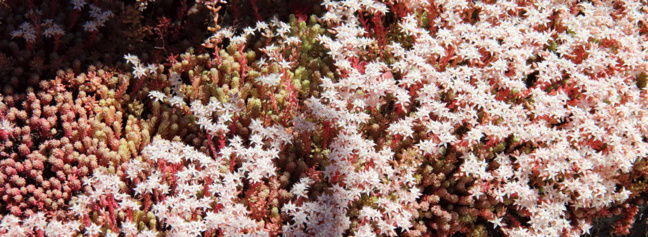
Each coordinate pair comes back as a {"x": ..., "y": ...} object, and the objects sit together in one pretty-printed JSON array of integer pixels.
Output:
[
  {"x": 9, "y": 170},
  {"x": 31, "y": 188},
  {"x": 46, "y": 98},
  {"x": 56, "y": 184},
  {"x": 19, "y": 167},
  {"x": 39, "y": 179},
  {"x": 60, "y": 174},
  {"x": 16, "y": 211},
  {"x": 46, "y": 184},
  {"x": 45, "y": 125},
  {"x": 75, "y": 184},
  {"x": 33, "y": 174},
  {"x": 22, "y": 115},
  {"x": 57, "y": 194}
]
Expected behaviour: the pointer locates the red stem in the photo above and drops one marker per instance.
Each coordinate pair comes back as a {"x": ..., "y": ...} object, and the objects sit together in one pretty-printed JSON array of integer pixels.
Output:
[
  {"x": 75, "y": 17},
  {"x": 256, "y": 10},
  {"x": 92, "y": 38},
  {"x": 243, "y": 63},
  {"x": 211, "y": 145}
]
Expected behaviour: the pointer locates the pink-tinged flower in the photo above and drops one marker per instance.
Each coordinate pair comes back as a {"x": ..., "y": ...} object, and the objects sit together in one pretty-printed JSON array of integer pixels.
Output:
[
  {"x": 289, "y": 208},
  {"x": 138, "y": 71},
  {"x": 78, "y": 4},
  {"x": 129, "y": 228},
  {"x": 26, "y": 31},
  {"x": 129, "y": 203},
  {"x": 95, "y": 12},
  {"x": 112, "y": 234},
  {"x": 370, "y": 213},
  {"x": 177, "y": 101},
  {"x": 91, "y": 26},
  {"x": 300, "y": 217},
  {"x": 53, "y": 30},
  {"x": 272, "y": 79},
  {"x": 255, "y": 175},
  {"x": 9, "y": 222},
  {"x": 285, "y": 64},
  {"x": 79, "y": 209},
  {"x": 73, "y": 226},
  {"x": 54, "y": 228},
  {"x": 386, "y": 228},
  {"x": 36, "y": 222},
  {"x": 157, "y": 96},
  {"x": 403, "y": 127},
  {"x": 148, "y": 233},
  {"x": 140, "y": 189},
  {"x": 300, "y": 188},
  {"x": 497, "y": 222},
  {"x": 474, "y": 135},
  {"x": 132, "y": 59},
  {"x": 364, "y": 230},
  {"x": 6, "y": 129}
]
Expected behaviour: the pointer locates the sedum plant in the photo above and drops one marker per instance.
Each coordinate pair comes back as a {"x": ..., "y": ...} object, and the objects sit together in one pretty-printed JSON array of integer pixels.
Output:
[{"x": 389, "y": 118}]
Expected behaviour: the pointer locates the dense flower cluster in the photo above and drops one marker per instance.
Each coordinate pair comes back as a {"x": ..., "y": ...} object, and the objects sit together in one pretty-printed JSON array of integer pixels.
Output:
[{"x": 373, "y": 118}]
